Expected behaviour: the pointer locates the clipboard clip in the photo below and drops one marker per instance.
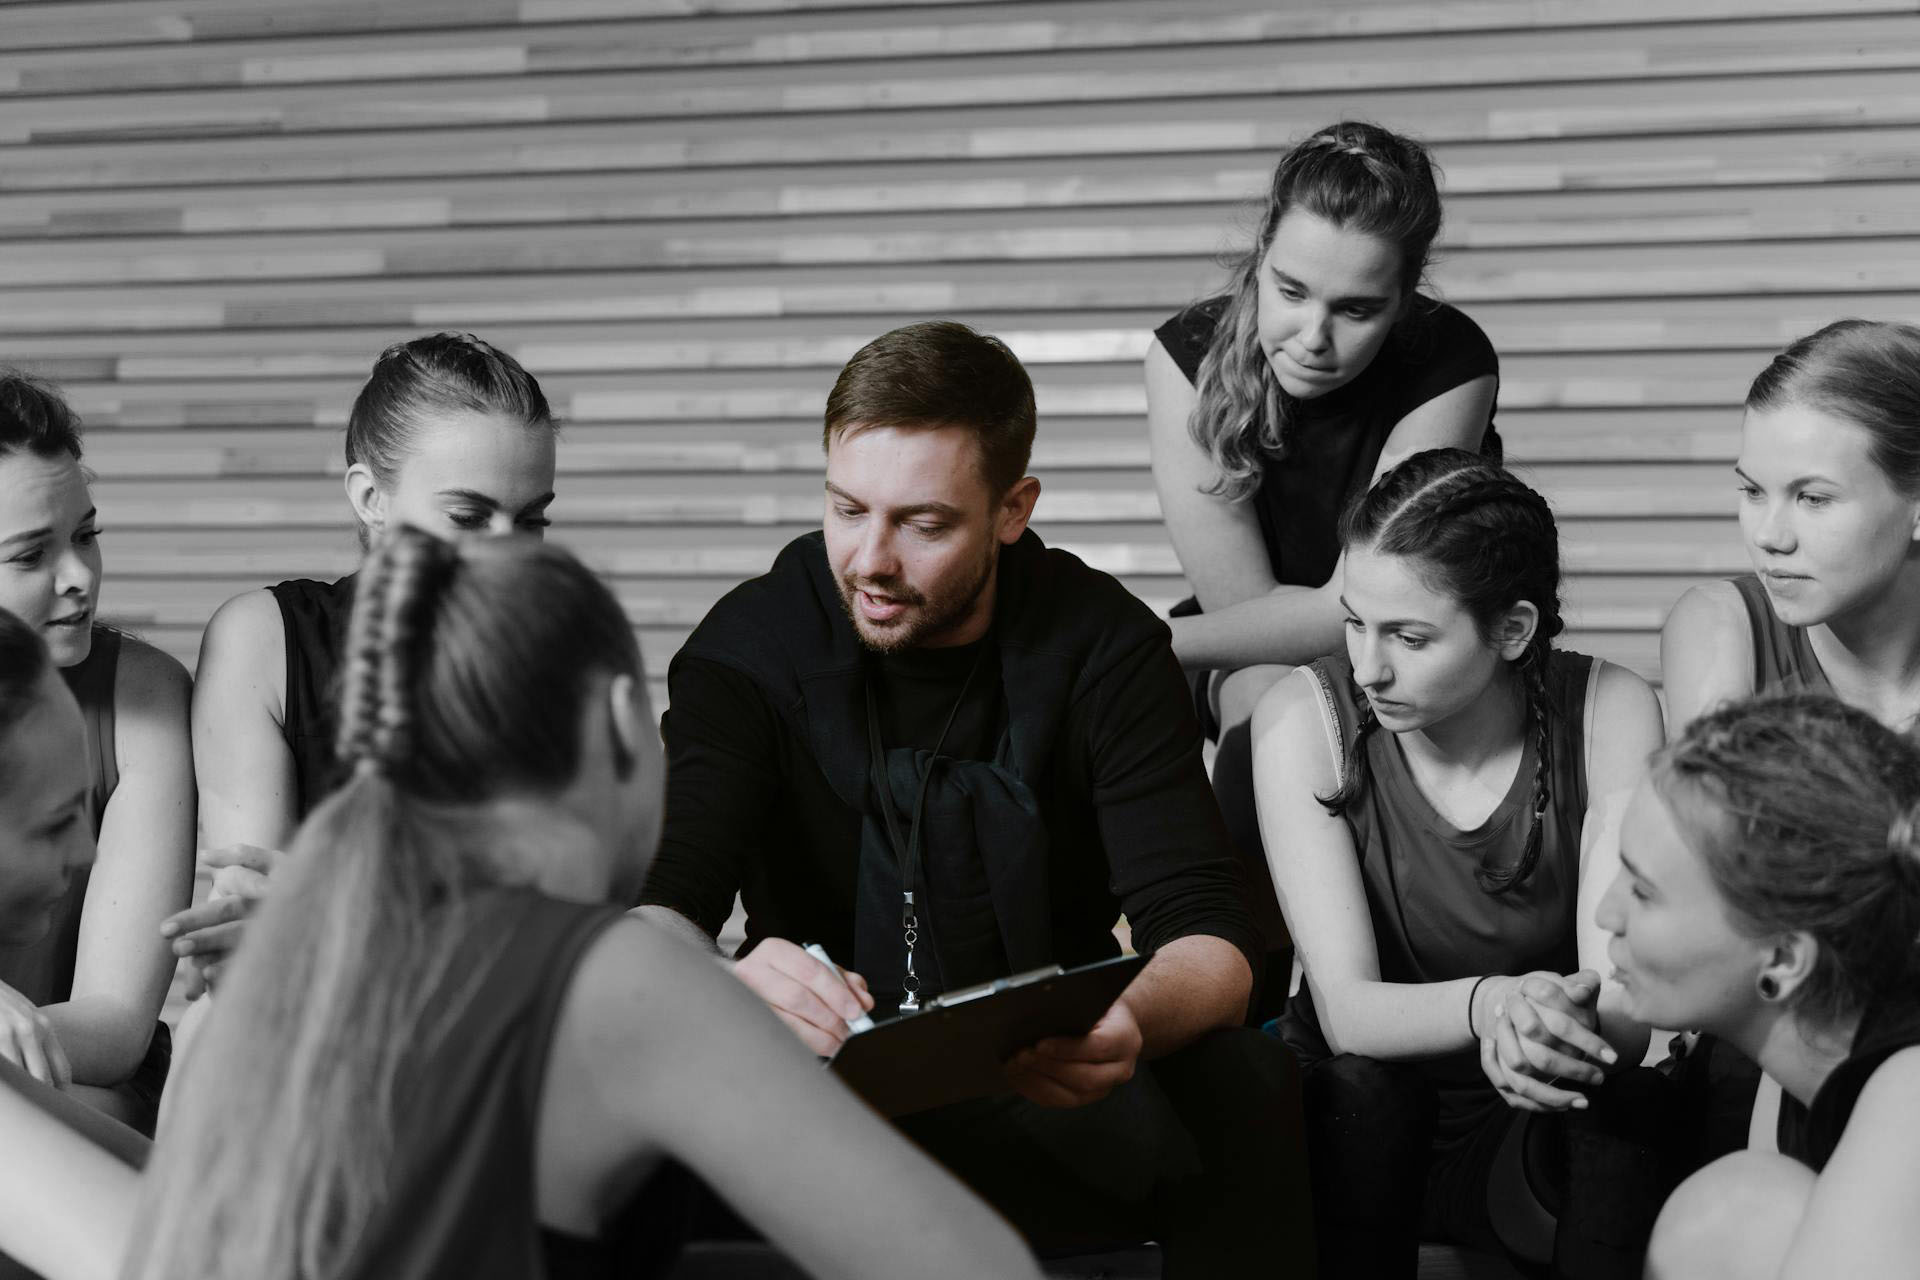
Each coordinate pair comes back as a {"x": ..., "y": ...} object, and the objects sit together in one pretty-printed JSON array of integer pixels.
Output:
[{"x": 948, "y": 999}]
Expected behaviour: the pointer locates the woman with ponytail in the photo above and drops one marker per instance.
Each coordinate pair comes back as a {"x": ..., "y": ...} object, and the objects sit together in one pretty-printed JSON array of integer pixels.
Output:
[
  {"x": 1769, "y": 894},
  {"x": 1270, "y": 405},
  {"x": 1423, "y": 799},
  {"x": 447, "y": 1052},
  {"x": 450, "y": 435}
]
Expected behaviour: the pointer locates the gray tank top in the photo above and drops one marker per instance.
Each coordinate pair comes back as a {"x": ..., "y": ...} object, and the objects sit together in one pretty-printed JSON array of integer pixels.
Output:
[
  {"x": 1432, "y": 921},
  {"x": 1783, "y": 657}
]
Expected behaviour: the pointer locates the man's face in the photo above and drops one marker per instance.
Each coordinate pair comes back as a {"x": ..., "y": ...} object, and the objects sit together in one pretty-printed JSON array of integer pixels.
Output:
[{"x": 914, "y": 534}]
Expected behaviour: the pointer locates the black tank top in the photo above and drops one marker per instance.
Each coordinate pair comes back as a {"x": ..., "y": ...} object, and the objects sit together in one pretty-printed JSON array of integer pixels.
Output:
[
  {"x": 1432, "y": 922},
  {"x": 43, "y": 971},
  {"x": 462, "y": 1204},
  {"x": 1811, "y": 1134},
  {"x": 1334, "y": 441},
  {"x": 313, "y": 617}
]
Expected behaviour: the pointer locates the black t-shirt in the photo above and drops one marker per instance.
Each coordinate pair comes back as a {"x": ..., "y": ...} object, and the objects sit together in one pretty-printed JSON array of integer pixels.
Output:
[
  {"x": 1333, "y": 441},
  {"x": 1812, "y": 1134}
]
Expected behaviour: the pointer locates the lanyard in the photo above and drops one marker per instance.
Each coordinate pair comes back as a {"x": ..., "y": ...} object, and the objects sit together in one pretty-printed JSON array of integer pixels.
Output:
[{"x": 906, "y": 850}]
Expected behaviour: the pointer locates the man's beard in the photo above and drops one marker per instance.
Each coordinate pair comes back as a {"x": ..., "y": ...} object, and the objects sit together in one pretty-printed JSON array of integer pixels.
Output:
[{"x": 935, "y": 614}]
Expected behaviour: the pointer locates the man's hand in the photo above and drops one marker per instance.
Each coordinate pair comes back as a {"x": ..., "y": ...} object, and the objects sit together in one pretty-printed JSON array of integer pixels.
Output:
[
  {"x": 1537, "y": 1033},
  {"x": 1060, "y": 1072},
  {"x": 208, "y": 933},
  {"x": 27, "y": 1040},
  {"x": 809, "y": 997}
]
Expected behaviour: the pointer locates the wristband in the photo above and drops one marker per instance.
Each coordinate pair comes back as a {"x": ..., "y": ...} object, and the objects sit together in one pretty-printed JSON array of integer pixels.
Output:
[{"x": 1472, "y": 1031}]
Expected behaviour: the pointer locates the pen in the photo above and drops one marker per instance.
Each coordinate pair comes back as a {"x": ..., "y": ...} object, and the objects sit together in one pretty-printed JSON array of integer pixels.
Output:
[{"x": 818, "y": 952}]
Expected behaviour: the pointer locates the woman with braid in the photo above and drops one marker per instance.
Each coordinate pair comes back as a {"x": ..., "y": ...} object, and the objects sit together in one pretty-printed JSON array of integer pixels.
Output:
[
  {"x": 449, "y": 434},
  {"x": 449, "y": 1052},
  {"x": 1769, "y": 894},
  {"x": 1270, "y": 405},
  {"x": 1423, "y": 799}
]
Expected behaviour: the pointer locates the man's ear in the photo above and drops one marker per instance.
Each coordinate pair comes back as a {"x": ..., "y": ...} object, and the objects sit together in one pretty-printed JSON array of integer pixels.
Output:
[
  {"x": 1016, "y": 509},
  {"x": 368, "y": 499},
  {"x": 1513, "y": 630},
  {"x": 625, "y": 724}
]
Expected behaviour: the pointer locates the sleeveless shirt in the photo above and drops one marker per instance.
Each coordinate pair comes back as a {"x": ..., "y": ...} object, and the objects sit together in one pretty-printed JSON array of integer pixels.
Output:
[
  {"x": 462, "y": 1199},
  {"x": 43, "y": 971},
  {"x": 313, "y": 617},
  {"x": 1783, "y": 657},
  {"x": 1811, "y": 1134},
  {"x": 1334, "y": 441},
  {"x": 1432, "y": 922}
]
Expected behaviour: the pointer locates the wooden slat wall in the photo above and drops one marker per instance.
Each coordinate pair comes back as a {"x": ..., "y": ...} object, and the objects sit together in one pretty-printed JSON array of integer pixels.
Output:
[{"x": 683, "y": 215}]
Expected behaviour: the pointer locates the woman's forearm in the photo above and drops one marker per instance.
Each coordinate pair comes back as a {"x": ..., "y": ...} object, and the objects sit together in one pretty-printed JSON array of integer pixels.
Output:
[
  {"x": 1288, "y": 625},
  {"x": 1396, "y": 1021}
]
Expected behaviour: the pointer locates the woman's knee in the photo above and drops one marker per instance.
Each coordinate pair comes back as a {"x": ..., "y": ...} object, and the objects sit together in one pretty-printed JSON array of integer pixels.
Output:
[{"x": 1733, "y": 1219}]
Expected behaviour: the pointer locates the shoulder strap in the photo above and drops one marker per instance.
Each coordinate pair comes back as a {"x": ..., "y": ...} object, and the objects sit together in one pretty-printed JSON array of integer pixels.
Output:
[{"x": 1330, "y": 721}]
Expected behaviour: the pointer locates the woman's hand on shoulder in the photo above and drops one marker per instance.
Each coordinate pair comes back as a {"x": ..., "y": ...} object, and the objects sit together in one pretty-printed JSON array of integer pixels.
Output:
[{"x": 1706, "y": 653}]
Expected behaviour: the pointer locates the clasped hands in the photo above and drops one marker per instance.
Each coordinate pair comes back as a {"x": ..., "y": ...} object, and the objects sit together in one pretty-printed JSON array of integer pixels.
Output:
[
  {"x": 816, "y": 1003},
  {"x": 1538, "y": 1035}
]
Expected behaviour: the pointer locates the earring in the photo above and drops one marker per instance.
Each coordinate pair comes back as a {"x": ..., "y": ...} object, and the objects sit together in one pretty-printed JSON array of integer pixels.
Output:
[{"x": 1769, "y": 987}]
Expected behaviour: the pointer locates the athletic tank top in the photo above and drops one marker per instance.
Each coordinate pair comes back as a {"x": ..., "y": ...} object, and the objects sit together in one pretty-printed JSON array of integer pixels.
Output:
[
  {"x": 462, "y": 1203},
  {"x": 1432, "y": 922},
  {"x": 1811, "y": 1134},
  {"x": 43, "y": 971},
  {"x": 313, "y": 617},
  {"x": 1783, "y": 657}
]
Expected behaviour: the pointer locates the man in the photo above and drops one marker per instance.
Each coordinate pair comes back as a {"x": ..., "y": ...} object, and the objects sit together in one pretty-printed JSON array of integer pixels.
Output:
[{"x": 947, "y": 753}]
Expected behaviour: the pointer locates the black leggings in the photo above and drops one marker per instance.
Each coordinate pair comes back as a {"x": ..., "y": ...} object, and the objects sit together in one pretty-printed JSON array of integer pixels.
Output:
[{"x": 1397, "y": 1159}]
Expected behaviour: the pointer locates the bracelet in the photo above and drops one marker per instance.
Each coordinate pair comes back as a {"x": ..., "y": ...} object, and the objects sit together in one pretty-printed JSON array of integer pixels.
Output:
[{"x": 1472, "y": 1031}]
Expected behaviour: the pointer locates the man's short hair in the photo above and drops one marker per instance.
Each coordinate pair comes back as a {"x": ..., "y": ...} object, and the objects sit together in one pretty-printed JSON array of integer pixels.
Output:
[{"x": 940, "y": 373}]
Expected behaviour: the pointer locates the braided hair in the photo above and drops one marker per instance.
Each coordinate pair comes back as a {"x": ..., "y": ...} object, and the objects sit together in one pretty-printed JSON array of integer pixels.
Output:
[
  {"x": 1806, "y": 812},
  {"x": 1354, "y": 175},
  {"x": 1490, "y": 542},
  {"x": 449, "y": 693}
]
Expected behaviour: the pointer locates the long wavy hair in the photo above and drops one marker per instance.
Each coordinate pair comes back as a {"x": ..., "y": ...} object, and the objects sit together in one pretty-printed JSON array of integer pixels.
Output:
[
  {"x": 468, "y": 668},
  {"x": 1354, "y": 175},
  {"x": 1482, "y": 537},
  {"x": 1806, "y": 812}
]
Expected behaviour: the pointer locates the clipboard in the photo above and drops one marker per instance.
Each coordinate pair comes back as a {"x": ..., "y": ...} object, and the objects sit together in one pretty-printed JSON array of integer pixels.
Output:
[{"x": 953, "y": 1049}]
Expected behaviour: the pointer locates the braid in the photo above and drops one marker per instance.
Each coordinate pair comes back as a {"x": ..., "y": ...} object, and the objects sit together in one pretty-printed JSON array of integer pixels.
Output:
[
  {"x": 1358, "y": 772},
  {"x": 1532, "y": 665},
  {"x": 392, "y": 625}
]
